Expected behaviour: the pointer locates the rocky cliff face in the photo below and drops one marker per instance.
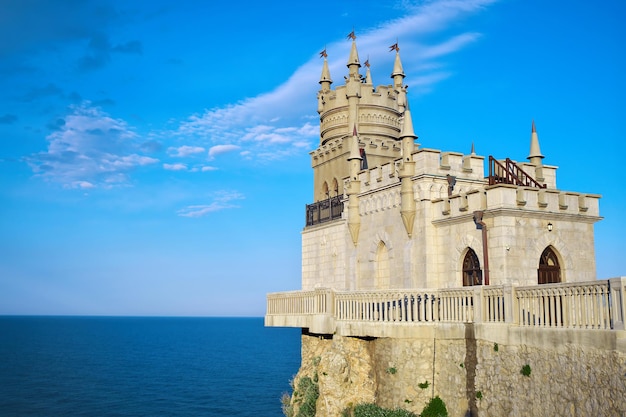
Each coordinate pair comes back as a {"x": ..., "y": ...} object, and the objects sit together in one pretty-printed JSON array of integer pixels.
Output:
[{"x": 473, "y": 377}]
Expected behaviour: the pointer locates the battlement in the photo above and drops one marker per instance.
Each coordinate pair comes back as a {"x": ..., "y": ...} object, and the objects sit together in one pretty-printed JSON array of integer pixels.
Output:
[{"x": 378, "y": 114}]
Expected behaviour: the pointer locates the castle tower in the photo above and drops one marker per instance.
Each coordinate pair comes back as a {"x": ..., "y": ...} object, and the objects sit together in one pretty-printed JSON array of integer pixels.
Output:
[{"x": 375, "y": 112}]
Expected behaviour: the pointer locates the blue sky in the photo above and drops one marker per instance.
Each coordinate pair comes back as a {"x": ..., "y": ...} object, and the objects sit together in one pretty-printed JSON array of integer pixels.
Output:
[{"x": 154, "y": 155}]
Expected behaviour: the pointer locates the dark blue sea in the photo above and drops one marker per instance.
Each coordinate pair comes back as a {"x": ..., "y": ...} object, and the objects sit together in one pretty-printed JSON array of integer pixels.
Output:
[{"x": 140, "y": 366}]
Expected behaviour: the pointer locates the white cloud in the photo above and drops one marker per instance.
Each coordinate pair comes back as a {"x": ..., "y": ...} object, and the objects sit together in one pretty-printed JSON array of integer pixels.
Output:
[
  {"x": 91, "y": 149},
  {"x": 183, "y": 151},
  {"x": 175, "y": 167},
  {"x": 221, "y": 201},
  {"x": 222, "y": 149}
]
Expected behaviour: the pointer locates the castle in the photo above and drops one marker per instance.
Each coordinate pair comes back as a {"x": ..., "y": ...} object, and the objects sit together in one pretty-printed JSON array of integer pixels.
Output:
[{"x": 405, "y": 247}]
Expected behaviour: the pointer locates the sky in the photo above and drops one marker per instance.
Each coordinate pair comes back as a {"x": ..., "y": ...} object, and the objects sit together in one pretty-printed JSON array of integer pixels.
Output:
[{"x": 154, "y": 155}]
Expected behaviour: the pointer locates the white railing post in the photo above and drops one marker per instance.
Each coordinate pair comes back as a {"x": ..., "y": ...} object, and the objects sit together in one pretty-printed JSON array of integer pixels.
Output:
[
  {"x": 478, "y": 304},
  {"x": 618, "y": 303},
  {"x": 510, "y": 309}
]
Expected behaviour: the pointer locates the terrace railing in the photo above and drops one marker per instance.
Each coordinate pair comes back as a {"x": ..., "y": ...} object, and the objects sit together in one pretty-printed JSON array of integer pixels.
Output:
[{"x": 586, "y": 305}]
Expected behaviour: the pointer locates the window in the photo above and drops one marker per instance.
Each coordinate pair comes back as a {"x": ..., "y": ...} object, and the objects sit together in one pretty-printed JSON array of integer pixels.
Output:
[
  {"x": 549, "y": 271},
  {"x": 472, "y": 275},
  {"x": 335, "y": 187}
]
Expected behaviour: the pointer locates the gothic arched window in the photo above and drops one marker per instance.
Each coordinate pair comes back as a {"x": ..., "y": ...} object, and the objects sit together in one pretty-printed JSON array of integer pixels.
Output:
[
  {"x": 549, "y": 271},
  {"x": 472, "y": 275},
  {"x": 335, "y": 188},
  {"x": 325, "y": 194}
]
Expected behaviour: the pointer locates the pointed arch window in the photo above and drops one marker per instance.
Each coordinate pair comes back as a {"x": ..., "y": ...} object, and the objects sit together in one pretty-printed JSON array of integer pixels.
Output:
[
  {"x": 324, "y": 192},
  {"x": 549, "y": 271},
  {"x": 335, "y": 188},
  {"x": 472, "y": 275},
  {"x": 382, "y": 267}
]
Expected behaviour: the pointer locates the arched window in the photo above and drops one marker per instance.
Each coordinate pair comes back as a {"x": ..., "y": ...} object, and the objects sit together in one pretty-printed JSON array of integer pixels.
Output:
[
  {"x": 335, "y": 188},
  {"x": 324, "y": 191},
  {"x": 382, "y": 266},
  {"x": 549, "y": 271},
  {"x": 472, "y": 275}
]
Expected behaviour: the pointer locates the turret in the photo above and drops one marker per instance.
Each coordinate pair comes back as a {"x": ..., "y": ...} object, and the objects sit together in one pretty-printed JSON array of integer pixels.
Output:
[
  {"x": 398, "y": 72},
  {"x": 325, "y": 82},
  {"x": 398, "y": 78},
  {"x": 354, "y": 187},
  {"x": 375, "y": 111},
  {"x": 535, "y": 155},
  {"x": 407, "y": 170}
]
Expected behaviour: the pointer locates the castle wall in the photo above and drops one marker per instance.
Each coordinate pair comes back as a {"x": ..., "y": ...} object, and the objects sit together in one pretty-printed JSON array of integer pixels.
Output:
[
  {"x": 517, "y": 221},
  {"x": 475, "y": 369}
]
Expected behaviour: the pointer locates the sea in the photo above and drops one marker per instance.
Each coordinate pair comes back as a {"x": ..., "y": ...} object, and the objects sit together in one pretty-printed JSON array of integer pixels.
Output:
[{"x": 144, "y": 366}]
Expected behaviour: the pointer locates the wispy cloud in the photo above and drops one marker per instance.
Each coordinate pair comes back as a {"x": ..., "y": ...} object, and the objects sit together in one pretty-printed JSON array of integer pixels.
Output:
[
  {"x": 276, "y": 124},
  {"x": 183, "y": 151},
  {"x": 90, "y": 149},
  {"x": 221, "y": 149},
  {"x": 175, "y": 167},
  {"x": 221, "y": 201}
]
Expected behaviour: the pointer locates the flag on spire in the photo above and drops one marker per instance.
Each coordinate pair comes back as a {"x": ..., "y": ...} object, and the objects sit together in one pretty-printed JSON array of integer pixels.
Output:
[
  {"x": 367, "y": 62},
  {"x": 323, "y": 54},
  {"x": 394, "y": 47},
  {"x": 351, "y": 35}
]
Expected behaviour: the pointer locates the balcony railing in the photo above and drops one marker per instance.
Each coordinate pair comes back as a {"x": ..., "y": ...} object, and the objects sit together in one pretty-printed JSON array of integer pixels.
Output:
[
  {"x": 510, "y": 173},
  {"x": 586, "y": 305},
  {"x": 324, "y": 210}
]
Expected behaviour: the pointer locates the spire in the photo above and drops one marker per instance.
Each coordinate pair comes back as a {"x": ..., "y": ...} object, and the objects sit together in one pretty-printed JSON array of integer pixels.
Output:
[
  {"x": 473, "y": 151},
  {"x": 353, "y": 60},
  {"x": 407, "y": 125},
  {"x": 398, "y": 72},
  {"x": 325, "y": 78},
  {"x": 535, "y": 156}
]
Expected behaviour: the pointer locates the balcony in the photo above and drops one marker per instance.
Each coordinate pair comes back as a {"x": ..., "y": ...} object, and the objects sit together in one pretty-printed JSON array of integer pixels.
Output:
[
  {"x": 324, "y": 210},
  {"x": 595, "y": 305}
]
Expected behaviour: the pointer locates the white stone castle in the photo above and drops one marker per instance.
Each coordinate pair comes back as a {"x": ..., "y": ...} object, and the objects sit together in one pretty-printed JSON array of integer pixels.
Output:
[
  {"x": 424, "y": 261},
  {"x": 391, "y": 214}
]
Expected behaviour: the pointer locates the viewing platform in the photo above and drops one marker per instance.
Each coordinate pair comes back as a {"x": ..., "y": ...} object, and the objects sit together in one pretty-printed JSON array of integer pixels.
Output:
[{"x": 596, "y": 305}]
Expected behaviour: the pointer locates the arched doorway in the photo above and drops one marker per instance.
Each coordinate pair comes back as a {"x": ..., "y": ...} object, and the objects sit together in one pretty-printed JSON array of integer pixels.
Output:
[
  {"x": 549, "y": 271},
  {"x": 472, "y": 275}
]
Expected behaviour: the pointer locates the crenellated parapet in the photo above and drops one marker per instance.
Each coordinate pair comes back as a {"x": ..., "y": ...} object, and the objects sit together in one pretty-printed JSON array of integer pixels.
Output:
[
  {"x": 378, "y": 113},
  {"x": 544, "y": 203}
]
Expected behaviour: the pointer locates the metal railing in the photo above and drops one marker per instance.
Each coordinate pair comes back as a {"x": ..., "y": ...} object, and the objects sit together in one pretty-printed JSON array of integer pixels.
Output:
[
  {"x": 510, "y": 173},
  {"x": 324, "y": 210}
]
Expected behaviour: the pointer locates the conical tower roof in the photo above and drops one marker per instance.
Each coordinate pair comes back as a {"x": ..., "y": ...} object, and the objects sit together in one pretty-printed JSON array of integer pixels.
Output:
[
  {"x": 353, "y": 59},
  {"x": 397, "y": 65},
  {"x": 535, "y": 156},
  {"x": 325, "y": 73},
  {"x": 407, "y": 125}
]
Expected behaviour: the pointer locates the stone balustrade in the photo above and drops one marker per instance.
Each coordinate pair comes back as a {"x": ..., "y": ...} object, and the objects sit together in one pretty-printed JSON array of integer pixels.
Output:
[{"x": 588, "y": 305}]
